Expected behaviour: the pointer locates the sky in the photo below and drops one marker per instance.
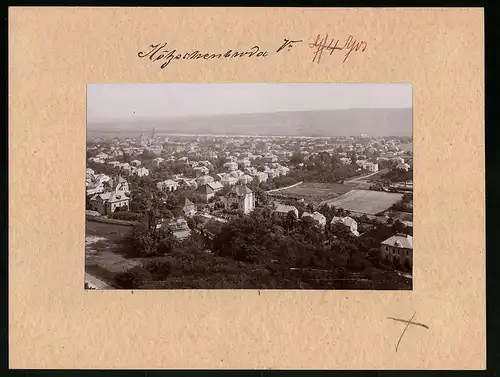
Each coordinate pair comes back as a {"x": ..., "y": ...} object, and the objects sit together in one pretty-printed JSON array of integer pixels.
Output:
[{"x": 109, "y": 102}]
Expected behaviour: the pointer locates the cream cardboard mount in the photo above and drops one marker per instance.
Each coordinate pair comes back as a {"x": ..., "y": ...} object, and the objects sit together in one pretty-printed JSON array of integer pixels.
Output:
[{"x": 54, "y": 53}]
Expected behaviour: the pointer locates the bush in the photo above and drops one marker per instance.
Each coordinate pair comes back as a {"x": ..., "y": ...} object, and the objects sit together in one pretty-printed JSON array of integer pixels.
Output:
[
  {"x": 133, "y": 278},
  {"x": 142, "y": 240}
]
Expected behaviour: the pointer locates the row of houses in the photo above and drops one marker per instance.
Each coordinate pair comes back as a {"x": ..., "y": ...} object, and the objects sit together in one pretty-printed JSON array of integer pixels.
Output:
[
  {"x": 320, "y": 219},
  {"x": 396, "y": 248},
  {"x": 97, "y": 183},
  {"x": 217, "y": 182},
  {"x": 132, "y": 168}
]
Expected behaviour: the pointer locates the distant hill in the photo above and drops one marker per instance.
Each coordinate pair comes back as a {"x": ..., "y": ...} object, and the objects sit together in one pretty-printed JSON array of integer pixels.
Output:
[{"x": 373, "y": 122}]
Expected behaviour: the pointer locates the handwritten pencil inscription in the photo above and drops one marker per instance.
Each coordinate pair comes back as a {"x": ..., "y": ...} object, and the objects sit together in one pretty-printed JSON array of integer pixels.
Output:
[
  {"x": 347, "y": 46},
  {"x": 162, "y": 54}
]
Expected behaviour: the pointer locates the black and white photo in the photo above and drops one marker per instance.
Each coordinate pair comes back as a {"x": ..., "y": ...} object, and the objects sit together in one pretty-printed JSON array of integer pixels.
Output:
[{"x": 249, "y": 186}]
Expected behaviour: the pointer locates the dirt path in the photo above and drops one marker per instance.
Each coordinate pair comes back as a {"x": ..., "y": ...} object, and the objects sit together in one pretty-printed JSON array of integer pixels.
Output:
[
  {"x": 284, "y": 188},
  {"x": 354, "y": 180},
  {"x": 96, "y": 283}
]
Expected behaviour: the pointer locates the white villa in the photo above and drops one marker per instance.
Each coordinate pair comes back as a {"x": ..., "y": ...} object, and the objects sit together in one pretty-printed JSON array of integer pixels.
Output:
[
  {"x": 167, "y": 185},
  {"x": 348, "y": 222},
  {"x": 240, "y": 197},
  {"x": 319, "y": 218}
]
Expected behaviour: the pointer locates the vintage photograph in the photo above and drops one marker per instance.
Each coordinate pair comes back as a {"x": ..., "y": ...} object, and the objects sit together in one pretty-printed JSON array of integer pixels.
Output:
[{"x": 249, "y": 186}]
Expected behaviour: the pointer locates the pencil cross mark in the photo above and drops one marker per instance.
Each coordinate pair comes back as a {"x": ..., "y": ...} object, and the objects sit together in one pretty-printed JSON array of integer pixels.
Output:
[{"x": 408, "y": 323}]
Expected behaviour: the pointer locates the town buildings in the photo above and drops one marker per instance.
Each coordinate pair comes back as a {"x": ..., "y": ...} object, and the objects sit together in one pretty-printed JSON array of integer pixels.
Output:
[
  {"x": 348, "y": 222},
  {"x": 204, "y": 193},
  {"x": 187, "y": 207},
  {"x": 233, "y": 167},
  {"x": 167, "y": 185},
  {"x": 158, "y": 161},
  {"x": 121, "y": 184},
  {"x": 140, "y": 172},
  {"x": 204, "y": 179},
  {"x": 317, "y": 217},
  {"x": 282, "y": 210},
  {"x": 399, "y": 249},
  {"x": 241, "y": 198},
  {"x": 215, "y": 185},
  {"x": 108, "y": 202}
]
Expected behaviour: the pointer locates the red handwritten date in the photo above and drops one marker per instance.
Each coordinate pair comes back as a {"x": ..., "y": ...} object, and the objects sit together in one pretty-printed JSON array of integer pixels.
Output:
[{"x": 348, "y": 46}]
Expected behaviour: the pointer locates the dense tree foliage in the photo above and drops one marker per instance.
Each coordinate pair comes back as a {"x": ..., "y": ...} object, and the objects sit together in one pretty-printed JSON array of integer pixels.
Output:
[
  {"x": 397, "y": 175},
  {"x": 266, "y": 251},
  {"x": 323, "y": 168}
]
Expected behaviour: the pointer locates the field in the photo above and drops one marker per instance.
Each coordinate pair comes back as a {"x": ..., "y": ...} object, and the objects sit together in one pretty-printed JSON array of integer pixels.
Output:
[
  {"x": 366, "y": 201},
  {"x": 106, "y": 247},
  {"x": 314, "y": 191}
]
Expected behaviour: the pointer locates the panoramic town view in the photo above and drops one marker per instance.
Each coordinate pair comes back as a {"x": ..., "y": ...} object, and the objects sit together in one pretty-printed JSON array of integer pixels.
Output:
[{"x": 249, "y": 186}]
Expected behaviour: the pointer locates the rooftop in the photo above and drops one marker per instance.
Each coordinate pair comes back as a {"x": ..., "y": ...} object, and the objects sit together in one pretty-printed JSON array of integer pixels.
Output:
[
  {"x": 400, "y": 240},
  {"x": 315, "y": 215},
  {"x": 185, "y": 202},
  {"x": 285, "y": 209},
  {"x": 240, "y": 190},
  {"x": 347, "y": 221},
  {"x": 204, "y": 189}
]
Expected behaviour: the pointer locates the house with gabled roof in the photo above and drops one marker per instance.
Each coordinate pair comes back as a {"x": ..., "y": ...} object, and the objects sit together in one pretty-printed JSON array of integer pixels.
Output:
[
  {"x": 240, "y": 197},
  {"x": 167, "y": 185},
  {"x": 108, "y": 202},
  {"x": 187, "y": 206},
  {"x": 348, "y": 222},
  {"x": 282, "y": 210},
  {"x": 317, "y": 217},
  {"x": 398, "y": 248}
]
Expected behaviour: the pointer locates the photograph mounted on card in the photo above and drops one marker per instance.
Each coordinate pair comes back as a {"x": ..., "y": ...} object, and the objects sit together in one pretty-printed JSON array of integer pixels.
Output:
[{"x": 252, "y": 186}]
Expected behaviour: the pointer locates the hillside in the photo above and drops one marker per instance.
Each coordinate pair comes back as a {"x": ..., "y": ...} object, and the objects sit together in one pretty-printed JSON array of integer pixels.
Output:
[{"x": 373, "y": 122}]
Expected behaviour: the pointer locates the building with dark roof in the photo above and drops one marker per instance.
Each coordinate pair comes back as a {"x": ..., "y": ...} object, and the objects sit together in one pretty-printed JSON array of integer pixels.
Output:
[
  {"x": 240, "y": 197},
  {"x": 204, "y": 193},
  {"x": 187, "y": 206}
]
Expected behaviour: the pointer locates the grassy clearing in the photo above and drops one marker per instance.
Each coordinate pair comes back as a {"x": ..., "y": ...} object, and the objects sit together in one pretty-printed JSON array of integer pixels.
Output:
[
  {"x": 106, "y": 249},
  {"x": 314, "y": 191},
  {"x": 366, "y": 201}
]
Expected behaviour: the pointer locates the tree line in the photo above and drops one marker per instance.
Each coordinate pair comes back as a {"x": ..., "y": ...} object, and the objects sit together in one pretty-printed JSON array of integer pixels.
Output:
[{"x": 260, "y": 250}]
